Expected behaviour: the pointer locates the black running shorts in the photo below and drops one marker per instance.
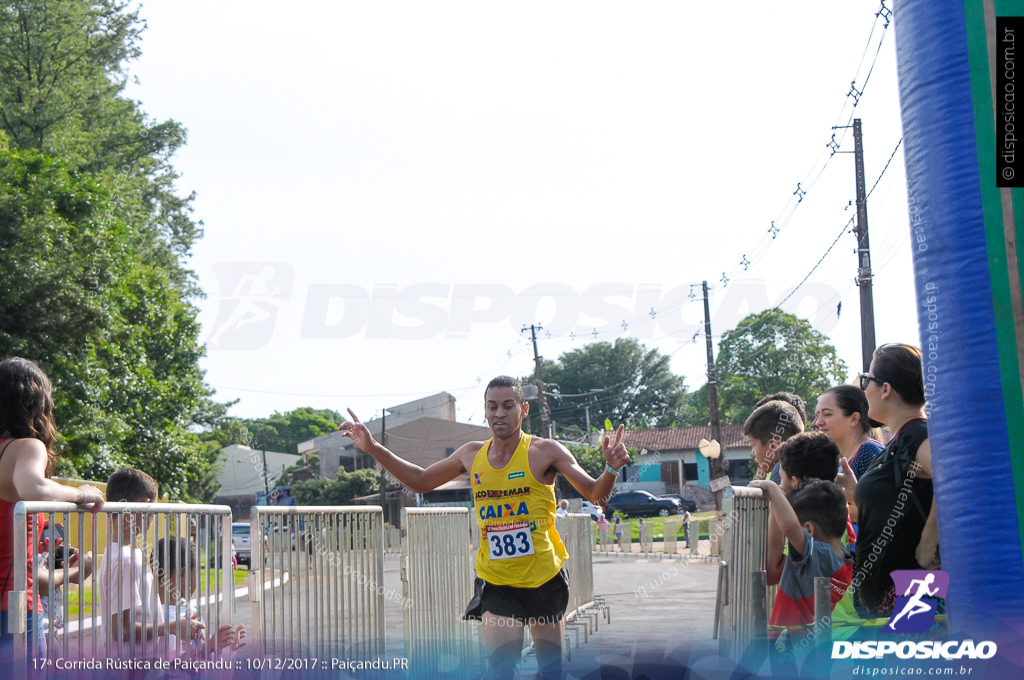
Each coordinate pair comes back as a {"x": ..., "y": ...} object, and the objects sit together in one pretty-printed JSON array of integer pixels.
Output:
[{"x": 544, "y": 604}]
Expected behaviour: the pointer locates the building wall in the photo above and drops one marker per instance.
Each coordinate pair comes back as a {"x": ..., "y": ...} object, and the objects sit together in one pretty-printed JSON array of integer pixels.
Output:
[{"x": 241, "y": 467}]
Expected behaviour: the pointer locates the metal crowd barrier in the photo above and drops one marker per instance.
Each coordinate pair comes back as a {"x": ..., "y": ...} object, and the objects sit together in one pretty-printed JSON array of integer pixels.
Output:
[
  {"x": 626, "y": 539},
  {"x": 646, "y": 532},
  {"x": 741, "y": 614},
  {"x": 669, "y": 533},
  {"x": 392, "y": 539},
  {"x": 76, "y": 636},
  {"x": 437, "y": 583},
  {"x": 316, "y": 581},
  {"x": 577, "y": 535},
  {"x": 604, "y": 537}
]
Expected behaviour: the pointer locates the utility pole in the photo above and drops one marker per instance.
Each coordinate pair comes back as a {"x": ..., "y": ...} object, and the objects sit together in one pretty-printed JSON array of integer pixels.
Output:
[
  {"x": 383, "y": 472},
  {"x": 545, "y": 414},
  {"x": 266, "y": 472},
  {"x": 717, "y": 464},
  {"x": 867, "y": 307}
]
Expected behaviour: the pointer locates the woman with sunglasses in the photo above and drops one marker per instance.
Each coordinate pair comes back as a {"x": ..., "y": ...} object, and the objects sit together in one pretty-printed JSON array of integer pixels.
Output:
[
  {"x": 897, "y": 518},
  {"x": 27, "y": 459}
]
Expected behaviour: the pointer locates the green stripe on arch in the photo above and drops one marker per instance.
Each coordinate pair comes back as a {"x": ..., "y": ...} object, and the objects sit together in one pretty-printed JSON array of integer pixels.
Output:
[{"x": 1003, "y": 211}]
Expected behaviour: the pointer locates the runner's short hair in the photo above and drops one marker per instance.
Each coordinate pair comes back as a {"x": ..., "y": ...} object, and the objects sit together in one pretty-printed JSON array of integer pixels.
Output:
[{"x": 507, "y": 381}]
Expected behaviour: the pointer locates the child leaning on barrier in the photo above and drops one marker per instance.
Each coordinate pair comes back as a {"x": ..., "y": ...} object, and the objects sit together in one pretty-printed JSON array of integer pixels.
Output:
[
  {"x": 133, "y": 617},
  {"x": 176, "y": 566},
  {"x": 802, "y": 458},
  {"x": 813, "y": 519},
  {"x": 771, "y": 424}
]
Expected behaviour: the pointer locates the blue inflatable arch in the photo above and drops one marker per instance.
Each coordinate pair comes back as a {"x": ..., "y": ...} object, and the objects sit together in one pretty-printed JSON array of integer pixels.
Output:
[{"x": 953, "y": 67}]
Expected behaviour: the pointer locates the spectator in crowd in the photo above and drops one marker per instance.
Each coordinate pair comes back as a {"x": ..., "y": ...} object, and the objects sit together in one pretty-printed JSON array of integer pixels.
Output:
[
  {"x": 842, "y": 414},
  {"x": 897, "y": 485},
  {"x": 770, "y": 424},
  {"x": 813, "y": 520},
  {"x": 133, "y": 618},
  {"x": 28, "y": 457},
  {"x": 176, "y": 565}
]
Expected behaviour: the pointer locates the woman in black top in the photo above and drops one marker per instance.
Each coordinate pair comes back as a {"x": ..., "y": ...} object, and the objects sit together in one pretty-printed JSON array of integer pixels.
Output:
[{"x": 897, "y": 523}]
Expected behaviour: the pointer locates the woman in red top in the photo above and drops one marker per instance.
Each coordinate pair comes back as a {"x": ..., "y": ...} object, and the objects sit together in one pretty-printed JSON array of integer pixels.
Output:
[{"x": 27, "y": 459}]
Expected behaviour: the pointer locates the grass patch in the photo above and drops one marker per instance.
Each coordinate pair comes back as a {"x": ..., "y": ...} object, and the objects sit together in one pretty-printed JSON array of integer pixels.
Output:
[
  {"x": 659, "y": 526},
  {"x": 86, "y": 598}
]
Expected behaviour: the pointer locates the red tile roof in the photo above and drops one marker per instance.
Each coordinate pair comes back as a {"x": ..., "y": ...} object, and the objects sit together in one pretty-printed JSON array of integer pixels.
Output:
[{"x": 682, "y": 438}]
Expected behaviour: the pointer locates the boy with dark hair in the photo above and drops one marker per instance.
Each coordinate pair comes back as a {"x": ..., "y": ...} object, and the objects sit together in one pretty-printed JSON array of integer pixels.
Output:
[
  {"x": 128, "y": 598},
  {"x": 807, "y": 456},
  {"x": 813, "y": 520},
  {"x": 803, "y": 458},
  {"x": 176, "y": 566},
  {"x": 767, "y": 428}
]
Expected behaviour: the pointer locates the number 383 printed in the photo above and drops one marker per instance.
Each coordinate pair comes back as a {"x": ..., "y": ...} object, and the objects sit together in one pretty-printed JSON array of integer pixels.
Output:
[{"x": 510, "y": 540}]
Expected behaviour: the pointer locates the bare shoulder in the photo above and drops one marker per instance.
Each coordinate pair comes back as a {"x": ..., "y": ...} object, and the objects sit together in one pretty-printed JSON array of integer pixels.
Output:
[
  {"x": 23, "y": 449},
  {"x": 549, "y": 451},
  {"x": 466, "y": 454}
]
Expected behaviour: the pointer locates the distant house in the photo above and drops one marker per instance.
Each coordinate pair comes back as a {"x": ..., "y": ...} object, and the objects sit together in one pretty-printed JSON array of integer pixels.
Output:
[
  {"x": 673, "y": 461},
  {"x": 422, "y": 431},
  {"x": 240, "y": 476}
]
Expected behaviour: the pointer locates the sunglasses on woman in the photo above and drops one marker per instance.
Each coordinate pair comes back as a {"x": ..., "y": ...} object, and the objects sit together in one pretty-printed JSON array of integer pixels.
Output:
[{"x": 866, "y": 379}]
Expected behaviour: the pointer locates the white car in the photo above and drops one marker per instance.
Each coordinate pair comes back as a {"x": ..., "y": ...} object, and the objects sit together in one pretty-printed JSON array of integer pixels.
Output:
[{"x": 595, "y": 511}]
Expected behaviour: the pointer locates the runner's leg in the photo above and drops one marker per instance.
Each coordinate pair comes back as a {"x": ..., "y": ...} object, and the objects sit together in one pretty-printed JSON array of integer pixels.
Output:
[
  {"x": 547, "y": 641},
  {"x": 503, "y": 636}
]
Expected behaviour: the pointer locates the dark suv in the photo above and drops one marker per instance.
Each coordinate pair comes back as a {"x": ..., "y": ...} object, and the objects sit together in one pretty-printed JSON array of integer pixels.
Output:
[
  {"x": 684, "y": 503},
  {"x": 639, "y": 503}
]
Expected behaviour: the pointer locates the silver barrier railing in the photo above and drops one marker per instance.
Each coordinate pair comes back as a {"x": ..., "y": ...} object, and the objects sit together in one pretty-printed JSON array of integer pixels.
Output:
[
  {"x": 604, "y": 537},
  {"x": 115, "y": 547},
  {"x": 316, "y": 581},
  {"x": 669, "y": 536},
  {"x": 577, "y": 534},
  {"x": 742, "y": 608},
  {"x": 646, "y": 532},
  {"x": 392, "y": 539},
  {"x": 438, "y": 572},
  {"x": 626, "y": 539}
]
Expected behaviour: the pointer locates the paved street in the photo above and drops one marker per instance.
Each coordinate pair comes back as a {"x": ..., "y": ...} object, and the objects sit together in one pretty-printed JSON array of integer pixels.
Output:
[{"x": 662, "y": 613}]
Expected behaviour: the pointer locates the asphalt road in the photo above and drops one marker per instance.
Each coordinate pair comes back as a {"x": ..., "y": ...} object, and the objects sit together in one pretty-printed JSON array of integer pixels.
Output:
[{"x": 661, "y": 618}]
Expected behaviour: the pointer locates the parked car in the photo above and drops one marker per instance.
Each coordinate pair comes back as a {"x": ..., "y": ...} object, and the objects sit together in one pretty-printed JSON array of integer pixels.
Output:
[
  {"x": 640, "y": 503},
  {"x": 241, "y": 542},
  {"x": 595, "y": 511},
  {"x": 683, "y": 503}
]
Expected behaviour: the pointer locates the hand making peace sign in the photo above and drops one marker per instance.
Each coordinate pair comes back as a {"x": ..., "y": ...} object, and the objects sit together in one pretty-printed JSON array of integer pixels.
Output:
[{"x": 615, "y": 451}]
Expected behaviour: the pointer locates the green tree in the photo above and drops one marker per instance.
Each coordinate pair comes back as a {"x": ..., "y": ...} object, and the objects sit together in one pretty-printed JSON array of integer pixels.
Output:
[
  {"x": 285, "y": 431},
  {"x": 93, "y": 240},
  {"x": 772, "y": 351},
  {"x": 624, "y": 382},
  {"x": 339, "y": 491}
]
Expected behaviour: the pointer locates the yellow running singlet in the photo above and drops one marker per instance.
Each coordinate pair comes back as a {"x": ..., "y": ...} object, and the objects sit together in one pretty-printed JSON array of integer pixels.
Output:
[{"x": 519, "y": 545}]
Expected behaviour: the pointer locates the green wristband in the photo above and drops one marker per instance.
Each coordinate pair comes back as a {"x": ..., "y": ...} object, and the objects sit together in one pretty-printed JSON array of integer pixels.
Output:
[{"x": 610, "y": 469}]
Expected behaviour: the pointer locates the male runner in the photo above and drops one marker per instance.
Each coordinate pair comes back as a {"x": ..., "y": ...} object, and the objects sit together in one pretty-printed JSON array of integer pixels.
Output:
[{"x": 520, "y": 579}]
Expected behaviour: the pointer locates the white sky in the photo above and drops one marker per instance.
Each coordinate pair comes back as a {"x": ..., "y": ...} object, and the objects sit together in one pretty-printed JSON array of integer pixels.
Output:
[{"x": 437, "y": 151}]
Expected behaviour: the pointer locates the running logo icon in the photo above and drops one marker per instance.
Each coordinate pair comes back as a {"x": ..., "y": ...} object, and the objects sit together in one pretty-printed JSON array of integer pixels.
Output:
[
  {"x": 251, "y": 295},
  {"x": 915, "y": 609},
  {"x": 476, "y": 478}
]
